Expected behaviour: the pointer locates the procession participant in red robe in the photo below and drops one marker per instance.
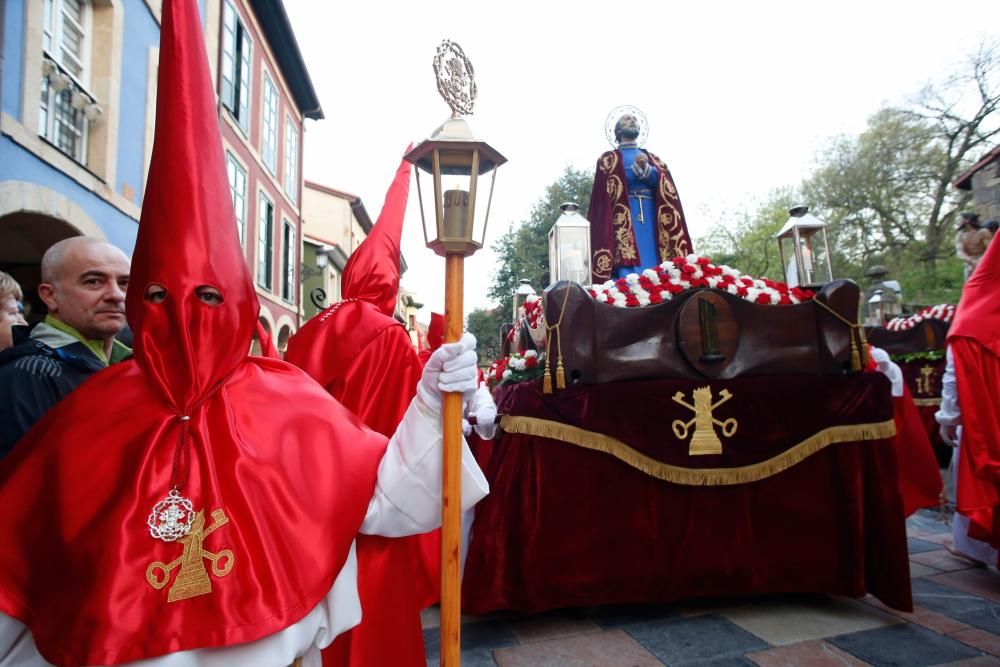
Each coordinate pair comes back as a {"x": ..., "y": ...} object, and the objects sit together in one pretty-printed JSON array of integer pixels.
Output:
[
  {"x": 919, "y": 477},
  {"x": 365, "y": 359},
  {"x": 199, "y": 506},
  {"x": 974, "y": 356},
  {"x": 435, "y": 336}
]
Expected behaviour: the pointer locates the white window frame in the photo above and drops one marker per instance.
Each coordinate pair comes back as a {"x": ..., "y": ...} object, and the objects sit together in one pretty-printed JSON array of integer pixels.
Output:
[
  {"x": 54, "y": 126},
  {"x": 236, "y": 173},
  {"x": 265, "y": 243},
  {"x": 288, "y": 241},
  {"x": 291, "y": 172},
  {"x": 270, "y": 106},
  {"x": 236, "y": 68}
]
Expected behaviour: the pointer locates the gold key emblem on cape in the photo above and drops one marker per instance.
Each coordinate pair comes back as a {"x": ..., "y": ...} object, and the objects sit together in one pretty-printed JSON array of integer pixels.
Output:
[
  {"x": 924, "y": 381},
  {"x": 705, "y": 440},
  {"x": 193, "y": 579}
]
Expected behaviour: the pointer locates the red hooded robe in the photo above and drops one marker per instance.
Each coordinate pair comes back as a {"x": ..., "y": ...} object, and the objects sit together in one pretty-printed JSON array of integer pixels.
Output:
[
  {"x": 974, "y": 339},
  {"x": 365, "y": 359},
  {"x": 282, "y": 472}
]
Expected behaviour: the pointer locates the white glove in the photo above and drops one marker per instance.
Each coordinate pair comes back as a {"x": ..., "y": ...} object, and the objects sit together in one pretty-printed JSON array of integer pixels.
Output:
[
  {"x": 485, "y": 410},
  {"x": 888, "y": 368},
  {"x": 452, "y": 367},
  {"x": 949, "y": 433}
]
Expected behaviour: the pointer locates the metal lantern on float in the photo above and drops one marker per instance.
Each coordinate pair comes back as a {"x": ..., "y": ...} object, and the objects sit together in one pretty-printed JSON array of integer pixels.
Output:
[
  {"x": 569, "y": 246},
  {"x": 890, "y": 302},
  {"x": 804, "y": 249},
  {"x": 876, "y": 309}
]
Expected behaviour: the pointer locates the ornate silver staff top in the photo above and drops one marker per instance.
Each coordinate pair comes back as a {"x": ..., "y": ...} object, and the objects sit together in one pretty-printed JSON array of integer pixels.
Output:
[{"x": 455, "y": 78}]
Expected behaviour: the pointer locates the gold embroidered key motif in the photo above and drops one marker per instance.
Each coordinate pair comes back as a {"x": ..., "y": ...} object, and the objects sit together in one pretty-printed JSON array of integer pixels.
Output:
[
  {"x": 193, "y": 579},
  {"x": 705, "y": 440}
]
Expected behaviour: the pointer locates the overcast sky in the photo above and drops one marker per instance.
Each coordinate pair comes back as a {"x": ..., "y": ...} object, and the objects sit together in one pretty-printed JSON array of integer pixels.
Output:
[{"x": 739, "y": 96}]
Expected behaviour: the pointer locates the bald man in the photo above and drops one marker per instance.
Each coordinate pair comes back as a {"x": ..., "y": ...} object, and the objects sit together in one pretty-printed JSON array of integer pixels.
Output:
[{"x": 83, "y": 286}]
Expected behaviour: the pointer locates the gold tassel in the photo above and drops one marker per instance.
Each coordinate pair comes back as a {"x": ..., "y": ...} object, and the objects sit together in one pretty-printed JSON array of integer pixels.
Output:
[
  {"x": 855, "y": 359},
  {"x": 560, "y": 376},
  {"x": 547, "y": 381},
  {"x": 864, "y": 350}
]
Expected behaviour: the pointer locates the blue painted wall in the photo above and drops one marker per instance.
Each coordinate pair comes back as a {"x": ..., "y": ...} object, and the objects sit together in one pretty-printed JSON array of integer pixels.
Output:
[
  {"x": 13, "y": 49},
  {"x": 142, "y": 32},
  {"x": 20, "y": 165}
]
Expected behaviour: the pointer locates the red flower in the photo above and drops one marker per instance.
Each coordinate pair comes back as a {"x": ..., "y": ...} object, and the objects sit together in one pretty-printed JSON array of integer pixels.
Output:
[
  {"x": 631, "y": 300},
  {"x": 763, "y": 297},
  {"x": 785, "y": 300},
  {"x": 530, "y": 362},
  {"x": 747, "y": 281},
  {"x": 654, "y": 297},
  {"x": 592, "y": 293},
  {"x": 679, "y": 261},
  {"x": 741, "y": 291},
  {"x": 645, "y": 283},
  {"x": 674, "y": 289},
  {"x": 704, "y": 261},
  {"x": 688, "y": 269},
  {"x": 699, "y": 282},
  {"x": 622, "y": 284}
]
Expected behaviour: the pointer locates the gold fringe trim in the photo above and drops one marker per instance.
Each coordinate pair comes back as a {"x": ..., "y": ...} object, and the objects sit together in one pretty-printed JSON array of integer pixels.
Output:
[
  {"x": 922, "y": 402},
  {"x": 545, "y": 428}
]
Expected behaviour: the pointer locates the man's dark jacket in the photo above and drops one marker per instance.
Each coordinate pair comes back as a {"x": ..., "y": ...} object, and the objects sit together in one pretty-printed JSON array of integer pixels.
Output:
[{"x": 35, "y": 374}]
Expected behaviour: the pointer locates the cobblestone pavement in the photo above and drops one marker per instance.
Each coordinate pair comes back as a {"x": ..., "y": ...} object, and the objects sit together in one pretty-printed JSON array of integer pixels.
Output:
[{"x": 956, "y": 621}]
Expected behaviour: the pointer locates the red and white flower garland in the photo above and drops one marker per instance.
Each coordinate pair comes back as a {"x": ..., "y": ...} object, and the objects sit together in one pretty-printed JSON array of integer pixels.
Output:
[
  {"x": 673, "y": 277},
  {"x": 943, "y": 311}
]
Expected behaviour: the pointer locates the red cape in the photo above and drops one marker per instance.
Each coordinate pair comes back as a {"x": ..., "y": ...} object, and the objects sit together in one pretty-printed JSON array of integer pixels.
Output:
[
  {"x": 920, "y": 480},
  {"x": 77, "y": 491},
  {"x": 365, "y": 360},
  {"x": 974, "y": 339},
  {"x": 610, "y": 216}
]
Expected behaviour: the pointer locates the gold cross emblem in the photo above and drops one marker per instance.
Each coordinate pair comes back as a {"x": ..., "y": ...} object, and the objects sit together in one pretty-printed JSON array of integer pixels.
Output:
[
  {"x": 705, "y": 439},
  {"x": 193, "y": 580},
  {"x": 924, "y": 381}
]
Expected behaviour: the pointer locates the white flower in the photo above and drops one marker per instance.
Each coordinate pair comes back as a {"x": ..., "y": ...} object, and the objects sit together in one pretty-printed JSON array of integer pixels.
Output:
[
  {"x": 692, "y": 258},
  {"x": 775, "y": 297},
  {"x": 507, "y": 373},
  {"x": 608, "y": 284},
  {"x": 632, "y": 279},
  {"x": 614, "y": 293},
  {"x": 752, "y": 294},
  {"x": 620, "y": 301},
  {"x": 713, "y": 281},
  {"x": 666, "y": 295},
  {"x": 759, "y": 284},
  {"x": 731, "y": 288},
  {"x": 530, "y": 353},
  {"x": 640, "y": 293},
  {"x": 644, "y": 301}
]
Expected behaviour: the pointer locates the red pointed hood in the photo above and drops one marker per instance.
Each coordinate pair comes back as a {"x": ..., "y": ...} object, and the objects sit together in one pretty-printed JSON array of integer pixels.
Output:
[
  {"x": 435, "y": 331},
  {"x": 187, "y": 232},
  {"x": 372, "y": 272},
  {"x": 978, "y": 312}
]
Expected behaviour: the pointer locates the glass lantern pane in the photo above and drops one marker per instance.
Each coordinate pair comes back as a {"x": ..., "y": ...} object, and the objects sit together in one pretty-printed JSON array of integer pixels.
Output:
[{"x": 574, "y": 264}]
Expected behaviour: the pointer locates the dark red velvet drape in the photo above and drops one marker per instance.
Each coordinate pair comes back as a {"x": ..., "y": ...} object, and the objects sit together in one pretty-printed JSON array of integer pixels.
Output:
[{"x": 566, "y": 526}]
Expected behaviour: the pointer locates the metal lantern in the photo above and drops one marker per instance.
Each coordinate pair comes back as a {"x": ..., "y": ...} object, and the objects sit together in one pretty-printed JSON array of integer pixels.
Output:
[
  {"x": 569, "y": 246},
  {"x": 890, "y": 302},
  {"x": 454, "y": 158},
  {"x": 804, "y": 249},
  {"x": 875, "y": 316}
]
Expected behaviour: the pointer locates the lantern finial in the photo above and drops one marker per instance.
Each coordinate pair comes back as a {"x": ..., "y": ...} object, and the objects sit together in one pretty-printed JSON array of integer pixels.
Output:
[{"x": 455, "y": 78}]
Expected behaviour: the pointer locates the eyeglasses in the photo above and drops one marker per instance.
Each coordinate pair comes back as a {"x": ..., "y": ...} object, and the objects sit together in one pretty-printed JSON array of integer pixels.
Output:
[{"x": 20, "y": 308}]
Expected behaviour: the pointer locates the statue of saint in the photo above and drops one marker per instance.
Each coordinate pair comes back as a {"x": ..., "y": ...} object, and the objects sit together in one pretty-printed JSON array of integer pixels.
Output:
[
  {"x": 636, "y": 219},
  {"x": 971, "y": 240}
]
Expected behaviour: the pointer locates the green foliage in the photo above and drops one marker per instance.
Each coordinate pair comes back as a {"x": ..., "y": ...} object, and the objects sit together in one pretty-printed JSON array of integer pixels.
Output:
[
  {"x": 745, "y": 239},
  {"x": 485, "y": 326},
  {"x": 886, "y": 193},
  {"x": 522, "y": 252},
  {"x": 927, "y": 355}
]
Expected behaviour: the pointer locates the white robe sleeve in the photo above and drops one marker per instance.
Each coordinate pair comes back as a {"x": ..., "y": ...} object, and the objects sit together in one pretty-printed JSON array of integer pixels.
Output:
[
  {"x": 890, "y": 369},
  {"x": 407, "y": 496},
  {"x": 949, "y": 413}
]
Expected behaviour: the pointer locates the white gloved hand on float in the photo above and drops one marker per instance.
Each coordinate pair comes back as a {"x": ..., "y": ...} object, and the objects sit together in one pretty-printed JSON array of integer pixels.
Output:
[{"x": 485, "y": 411}]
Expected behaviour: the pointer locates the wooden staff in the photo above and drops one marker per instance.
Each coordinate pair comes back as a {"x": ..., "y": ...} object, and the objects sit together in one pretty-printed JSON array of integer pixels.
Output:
[{"x": 451, "y": 480}]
